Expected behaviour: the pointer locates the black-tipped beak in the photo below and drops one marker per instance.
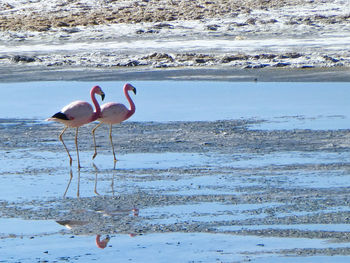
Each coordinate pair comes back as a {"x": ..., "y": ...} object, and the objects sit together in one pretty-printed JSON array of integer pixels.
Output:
[
  {"x": 134, "y": 90},
  {"x": 102, "y": 95}
]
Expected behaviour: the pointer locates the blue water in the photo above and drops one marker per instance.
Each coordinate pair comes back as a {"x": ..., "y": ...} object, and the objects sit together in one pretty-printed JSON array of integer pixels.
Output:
[
  {"x": 159, "y": 247},
  {"x": 25, "y": 173},
  {"x": 284, "y": 105}
]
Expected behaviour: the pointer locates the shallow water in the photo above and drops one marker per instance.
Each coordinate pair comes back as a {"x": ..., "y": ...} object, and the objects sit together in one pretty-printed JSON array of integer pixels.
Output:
[
  {"x": 210, "y": 196},
  {"x": 41, "y": 175},
  {"x": 181, "y": 247},
  {"x": 285, "y": 105}
]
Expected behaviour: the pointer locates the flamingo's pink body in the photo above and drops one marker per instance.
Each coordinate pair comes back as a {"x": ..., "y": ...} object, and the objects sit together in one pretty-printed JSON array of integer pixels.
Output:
[
  {"x": 113, "y": 113},
  {"x": 76, "y": 114}
]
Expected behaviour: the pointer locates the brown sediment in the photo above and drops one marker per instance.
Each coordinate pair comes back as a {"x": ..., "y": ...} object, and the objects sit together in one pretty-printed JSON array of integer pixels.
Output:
[{"x": 74, "y": 13}]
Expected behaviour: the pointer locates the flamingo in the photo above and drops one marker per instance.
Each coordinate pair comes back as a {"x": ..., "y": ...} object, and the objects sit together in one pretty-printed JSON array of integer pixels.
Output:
[
  {"x": 112, "y": 113},
  {"x": 76, "y": 114}
]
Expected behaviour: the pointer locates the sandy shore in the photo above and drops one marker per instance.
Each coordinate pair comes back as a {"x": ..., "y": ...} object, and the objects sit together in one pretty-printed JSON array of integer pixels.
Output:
[{"x": 39, "y": 73}]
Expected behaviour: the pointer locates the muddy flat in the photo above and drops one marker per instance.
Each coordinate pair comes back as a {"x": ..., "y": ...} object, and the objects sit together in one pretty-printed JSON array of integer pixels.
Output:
[
  {"x": 178, "y": 181},
  {"x": 269, "y": 182}
]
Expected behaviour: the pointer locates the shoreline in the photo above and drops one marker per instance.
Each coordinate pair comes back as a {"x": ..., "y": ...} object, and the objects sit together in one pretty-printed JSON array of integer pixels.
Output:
[
  {"x": 17, "y": 73},
  {"x": 175, "y": 40}
]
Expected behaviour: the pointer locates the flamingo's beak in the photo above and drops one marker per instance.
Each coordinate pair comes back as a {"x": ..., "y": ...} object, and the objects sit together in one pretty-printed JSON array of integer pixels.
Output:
[
  {"x": 134, "y": 90},
  {"x": 102, "y": 95}
]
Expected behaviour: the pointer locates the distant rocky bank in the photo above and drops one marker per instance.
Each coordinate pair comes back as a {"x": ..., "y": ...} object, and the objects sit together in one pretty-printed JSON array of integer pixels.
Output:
[{"x": 150, "y": 34}]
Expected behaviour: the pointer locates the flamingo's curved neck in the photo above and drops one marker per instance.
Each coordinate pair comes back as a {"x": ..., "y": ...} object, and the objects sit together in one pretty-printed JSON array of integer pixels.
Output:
[
  {"x": 97, "y": 111},
  {"x": 132, "y": 105}
]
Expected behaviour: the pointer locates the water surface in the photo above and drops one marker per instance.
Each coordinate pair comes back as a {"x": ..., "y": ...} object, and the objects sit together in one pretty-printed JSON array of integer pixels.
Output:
[
  {"x": 266, "y": 188},
  {"x": 286, "y": 105}
]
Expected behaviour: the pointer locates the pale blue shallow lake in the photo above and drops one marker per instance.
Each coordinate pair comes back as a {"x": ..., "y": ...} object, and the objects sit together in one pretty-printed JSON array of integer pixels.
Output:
[
  {"x": 44, "y": 175},
  {"x": 285, "y": 105}
]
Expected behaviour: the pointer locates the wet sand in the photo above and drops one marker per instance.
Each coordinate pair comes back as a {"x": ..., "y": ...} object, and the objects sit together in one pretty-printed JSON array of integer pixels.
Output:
[
  {"x": 189, "y": 177},
  {"x": 25, "y": 73}
]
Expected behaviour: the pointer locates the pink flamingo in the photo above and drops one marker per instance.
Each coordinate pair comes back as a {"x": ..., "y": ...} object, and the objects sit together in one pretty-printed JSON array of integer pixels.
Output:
[
  {"x": 76, "y": 114},
  {"x": 112, "y": 113}
]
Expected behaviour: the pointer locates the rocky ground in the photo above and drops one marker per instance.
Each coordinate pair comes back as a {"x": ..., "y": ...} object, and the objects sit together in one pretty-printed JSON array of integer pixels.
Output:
[
  {"x": 172, "y": 33},
  {"x": 28, "y": 16}
]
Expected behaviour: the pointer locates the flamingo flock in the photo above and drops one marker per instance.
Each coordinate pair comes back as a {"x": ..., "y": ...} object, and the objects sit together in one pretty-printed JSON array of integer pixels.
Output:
[{"x": 79, "y": 113}]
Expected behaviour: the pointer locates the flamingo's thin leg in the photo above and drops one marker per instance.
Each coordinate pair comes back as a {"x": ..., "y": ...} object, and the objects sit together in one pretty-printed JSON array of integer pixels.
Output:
[
  {"x": 78, "y": 190},
  {"x": 110, "y": 137},
  {"x": 93, "y": 136},
  {"x": 65, "y": 147},
  {"x": 112, "y": 183},
  {"x": 76, "y": 146}
]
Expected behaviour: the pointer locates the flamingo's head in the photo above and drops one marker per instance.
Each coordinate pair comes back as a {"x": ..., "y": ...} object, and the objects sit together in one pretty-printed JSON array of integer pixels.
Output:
[
  {"x": 130, "y": 87},
  {"x": 98, "y": 90}
]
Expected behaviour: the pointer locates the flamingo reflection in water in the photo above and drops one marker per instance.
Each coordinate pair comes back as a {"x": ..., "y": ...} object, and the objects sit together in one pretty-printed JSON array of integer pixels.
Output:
[
  {"x": 69, "y": 182},
  {"x": 102, "y": 243},
  {"x": 95, "y": 217},
  {"x": 76, "y": 224},
  {"x": 95, "y": 186},
  {"x": 96, "y": 179}
]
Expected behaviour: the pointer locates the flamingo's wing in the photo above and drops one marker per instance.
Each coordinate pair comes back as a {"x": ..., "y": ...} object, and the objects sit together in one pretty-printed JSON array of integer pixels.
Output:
[{"x": 78, "y": 110}]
